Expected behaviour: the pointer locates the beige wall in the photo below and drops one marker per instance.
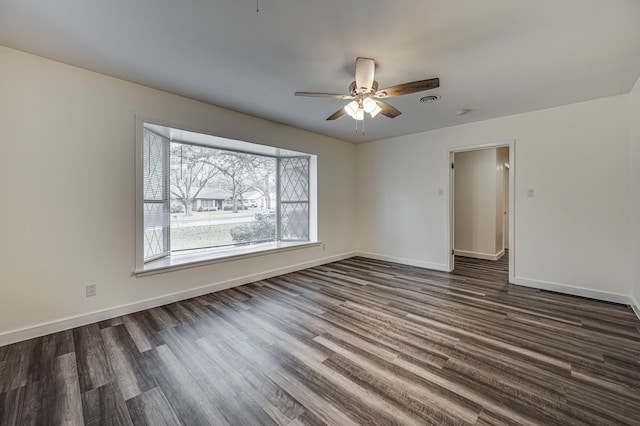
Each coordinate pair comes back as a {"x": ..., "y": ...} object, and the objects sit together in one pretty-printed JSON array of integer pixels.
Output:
[
  {"x": 573, "y": 233},
  {"x": 634, "y": 120},
  {"x": 67, "y": 190}
]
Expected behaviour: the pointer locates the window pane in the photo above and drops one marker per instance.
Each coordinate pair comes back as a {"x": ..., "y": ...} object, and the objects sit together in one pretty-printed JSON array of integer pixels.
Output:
[
  {"x": 153, "y": 179},
  {"x": 220, "y": 198},
  {"x": 294, "y": 199},
  {"x": 155, "y": 241},
  {"x": 294, "y": 179},
  {"x": 155, "y": 195},
  {"x": 294, "y": 224}
]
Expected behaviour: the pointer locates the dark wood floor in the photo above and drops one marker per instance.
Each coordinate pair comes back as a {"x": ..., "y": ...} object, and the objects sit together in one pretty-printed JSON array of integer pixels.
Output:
[{"x": 353, "y": 342}]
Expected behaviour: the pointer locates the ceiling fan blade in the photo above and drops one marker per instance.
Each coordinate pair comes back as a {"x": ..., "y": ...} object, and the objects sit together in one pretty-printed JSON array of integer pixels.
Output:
[
  {"x": 408, "y": 88},
  {"x": 323, "y": 95},
  {"x": 365, "y": 68},
  {"x": 339, "y": 113},
  {"x": 388, "y": 110}
]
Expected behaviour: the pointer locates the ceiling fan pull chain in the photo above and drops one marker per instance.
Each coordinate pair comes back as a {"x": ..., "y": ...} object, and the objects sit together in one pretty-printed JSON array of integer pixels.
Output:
[{"x": 257, "y": 6}]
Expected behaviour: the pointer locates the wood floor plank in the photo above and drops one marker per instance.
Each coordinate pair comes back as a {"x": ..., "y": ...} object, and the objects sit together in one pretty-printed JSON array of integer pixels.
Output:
[
  {"x": 234, "y": 405},
  {"x": 15, "y": 368},
  {"x": 359, "y": 341},
  {"x": 105, "y": 405},
  {"x": 275, "y": 402},
  {"x": 152, "y": 408},
  {"x": 20, "y": 406},
  {"x": 433, "y": 402},
  {"x": 61, "y": 394},
  {"x": 142, "y": 330},
  {"x": 182, "y": 391},
  {"x": 94, "y": 369},
  {"x": 257, "y": 353},
  {"x": 45, "y": 351},
  {"x": 133, "y": 376}
]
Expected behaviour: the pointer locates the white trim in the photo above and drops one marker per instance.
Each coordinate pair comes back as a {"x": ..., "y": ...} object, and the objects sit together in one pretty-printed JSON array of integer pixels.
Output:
[
  {"x": 575, "y": 291},
  {"x": 138, "y": 197},
  {"x": 476, "y": 255},
  {"x": 38, "y": 330},
  {"x": 403, "y": 261},
  {"x": 635, "y": 306},
  {"x": 512, "y": 210}
]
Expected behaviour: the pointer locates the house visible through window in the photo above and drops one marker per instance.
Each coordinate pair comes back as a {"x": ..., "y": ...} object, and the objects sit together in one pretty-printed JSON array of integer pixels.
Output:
[{"x": 205, "y": 194}]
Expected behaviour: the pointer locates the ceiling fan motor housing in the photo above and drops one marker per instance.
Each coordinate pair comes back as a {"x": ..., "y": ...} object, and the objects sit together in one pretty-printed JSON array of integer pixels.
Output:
[{"x": 355, "y": 91}]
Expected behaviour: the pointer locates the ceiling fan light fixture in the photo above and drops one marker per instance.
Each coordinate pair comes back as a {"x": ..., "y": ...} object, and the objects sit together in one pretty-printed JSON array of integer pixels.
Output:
[
  {"x": 351, "y": 108},
  {"x": 359, "y": 114},
  {"x": 369, "y": 105},
  {"x": 375, "y": 111}
]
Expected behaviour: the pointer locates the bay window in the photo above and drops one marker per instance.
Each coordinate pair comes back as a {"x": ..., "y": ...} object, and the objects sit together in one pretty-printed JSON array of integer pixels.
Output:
[{"x": 203, "y": 198}]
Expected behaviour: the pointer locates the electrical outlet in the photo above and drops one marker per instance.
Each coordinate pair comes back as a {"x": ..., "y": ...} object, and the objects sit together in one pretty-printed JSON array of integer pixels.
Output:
[
  {"x": 440, "y": 192},
  {"x": 531, "y": 193},
  {"x": 324, "y": 246},
  {"x": 90, "y": 289}
]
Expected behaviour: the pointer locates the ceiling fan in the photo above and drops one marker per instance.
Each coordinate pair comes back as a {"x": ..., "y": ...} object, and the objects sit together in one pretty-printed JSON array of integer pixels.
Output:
[{"x": 366, "y": 97}]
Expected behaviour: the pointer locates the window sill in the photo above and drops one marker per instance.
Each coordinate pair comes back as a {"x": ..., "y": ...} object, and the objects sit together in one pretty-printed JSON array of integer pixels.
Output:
[{"x": 191, "y": 260}]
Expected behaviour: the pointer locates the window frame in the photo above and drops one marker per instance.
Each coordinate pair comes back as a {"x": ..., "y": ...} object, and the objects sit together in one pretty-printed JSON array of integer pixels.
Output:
[{"x": 169, "y": 261}]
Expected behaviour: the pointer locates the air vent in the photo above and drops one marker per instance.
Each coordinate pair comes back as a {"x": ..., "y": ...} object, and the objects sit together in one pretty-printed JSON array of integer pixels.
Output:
[{"x": 429, "y": 98}]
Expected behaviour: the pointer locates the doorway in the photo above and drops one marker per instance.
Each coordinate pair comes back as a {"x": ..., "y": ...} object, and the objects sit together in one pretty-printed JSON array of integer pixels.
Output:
[{"x": 481, "y": 214}]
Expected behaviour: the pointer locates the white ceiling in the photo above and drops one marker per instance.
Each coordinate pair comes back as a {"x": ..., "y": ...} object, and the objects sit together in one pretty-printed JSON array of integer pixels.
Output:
[{"x": 493, "y": 57}]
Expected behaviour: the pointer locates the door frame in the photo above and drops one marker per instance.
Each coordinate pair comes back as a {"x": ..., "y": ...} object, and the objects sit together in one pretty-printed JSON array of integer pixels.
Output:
[{"x": 511, "y": 144}]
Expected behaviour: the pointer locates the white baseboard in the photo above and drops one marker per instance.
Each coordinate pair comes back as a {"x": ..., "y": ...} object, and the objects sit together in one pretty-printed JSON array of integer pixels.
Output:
[
  {"x": 635, "y": 306},
  {"x": 575, "y": 291},
  {"x": 403, "y": 261},
  {"x": 38, "y": 330},
  {"x": 476, "y": 255}
]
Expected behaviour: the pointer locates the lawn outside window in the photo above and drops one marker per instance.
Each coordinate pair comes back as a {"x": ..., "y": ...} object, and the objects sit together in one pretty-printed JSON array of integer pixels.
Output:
[{"x": 203, "y": 198}]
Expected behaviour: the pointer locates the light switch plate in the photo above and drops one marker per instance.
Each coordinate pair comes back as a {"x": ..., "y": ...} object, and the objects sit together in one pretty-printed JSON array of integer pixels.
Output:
[{"x": 90, "y": 289}]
